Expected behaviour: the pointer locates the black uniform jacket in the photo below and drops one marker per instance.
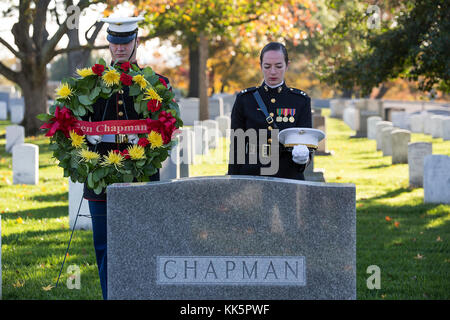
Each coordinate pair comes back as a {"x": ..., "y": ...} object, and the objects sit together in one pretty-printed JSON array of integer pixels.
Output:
[
  {"x": 119, "y": 107},
  {"x": 282, "y": 103}
]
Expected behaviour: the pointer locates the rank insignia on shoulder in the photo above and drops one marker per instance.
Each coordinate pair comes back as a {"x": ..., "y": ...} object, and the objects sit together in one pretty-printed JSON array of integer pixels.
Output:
[
  {"x": 248, "y": 90},
  {"x": 297, "y": 91}
]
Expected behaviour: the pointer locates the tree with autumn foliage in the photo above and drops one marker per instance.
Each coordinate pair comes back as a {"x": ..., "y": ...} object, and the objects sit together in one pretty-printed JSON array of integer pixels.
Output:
[{"x": 207, "y": 27}]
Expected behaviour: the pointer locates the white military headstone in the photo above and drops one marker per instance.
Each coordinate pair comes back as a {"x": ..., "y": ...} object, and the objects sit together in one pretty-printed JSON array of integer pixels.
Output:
[
  {"x": 400, "y": 139},
  {"x": 201, "y": 139},
  {"x": 386, "y": 141},
  {"x": 400, "y": 119},
  {"x": 3, "y": 110},
  {"x": 337, "y": 107},
  {"x": 186, "y": 152},
  {"x": 446, "y": 128},
  {"x": 436, "y": 126},
  {"x": 213, "y": 133},
  {"x": 25, "y": 163},
  {"x": 436, "y": 179},
  {"x": 378, "y": 129},
  {"x": 14, "y": 135},
  {"x": 84, "y": 222},
  {"x": 189, "y": 110},
  {"x": 17, "y": 113},
  {"x": 371, "y": 126},
  {"x": 215, "y": 106},
  {"x": 428, "y": 123},
  {"x": 351, "y": 117},
  {"x": 416, "y": 122},
  {"x": 417, "y": 151},
  {"x": 224, "y": 123}
]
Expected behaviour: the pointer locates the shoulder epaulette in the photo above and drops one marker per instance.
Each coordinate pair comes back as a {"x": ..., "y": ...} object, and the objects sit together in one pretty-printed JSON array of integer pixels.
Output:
[
  {"x": 248, "y": 90},
  {"x": 297, "y": 91}
]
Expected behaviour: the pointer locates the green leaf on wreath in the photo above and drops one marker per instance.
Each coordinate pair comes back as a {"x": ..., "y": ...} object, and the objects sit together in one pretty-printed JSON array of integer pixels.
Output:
[
  {"x": 90, "y": 180},
  {"x": 101, "y": 61},
  {"x": 94, "y": 93},
  {"x": 44, "y": 117},
  {"x": 84, "y": 100},
  {"x": 128, "y": 178},
  {"x": 98, "y": 190},
  {"x": 135, "y": 89}
]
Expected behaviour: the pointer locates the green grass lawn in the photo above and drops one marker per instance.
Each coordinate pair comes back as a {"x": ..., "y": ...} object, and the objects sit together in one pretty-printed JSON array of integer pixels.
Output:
[{"x": 411, "y": 248}]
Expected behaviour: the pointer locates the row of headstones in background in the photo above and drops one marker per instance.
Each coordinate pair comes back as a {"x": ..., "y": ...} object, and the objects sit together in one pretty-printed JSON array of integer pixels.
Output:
[
  {"x": 219, "y": 105},
  {"x": 15, "y": 106},
  {"x": 432, "y": 172},
  {"x": 433, "y": 122}
]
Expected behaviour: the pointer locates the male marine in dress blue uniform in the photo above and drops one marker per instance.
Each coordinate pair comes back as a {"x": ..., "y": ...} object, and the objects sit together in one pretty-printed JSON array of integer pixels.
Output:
[{"x": 120, "y": 106}]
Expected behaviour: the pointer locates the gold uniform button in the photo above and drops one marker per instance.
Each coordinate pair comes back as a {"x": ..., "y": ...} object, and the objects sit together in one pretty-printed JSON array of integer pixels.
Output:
[
  {"x": 270, "y": 128},
  {"x": 269, "y": 140},
  {"x": 120, "y": 91},
  {"x": 120, "y": 102},
  {"x": 120, "y": 113},
  {"x": 271, "y": 114},
  {"x": 273, "y": 100}
]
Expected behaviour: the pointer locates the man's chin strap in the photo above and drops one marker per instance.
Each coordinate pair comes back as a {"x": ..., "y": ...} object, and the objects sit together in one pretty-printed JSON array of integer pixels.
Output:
[{"x": 134, "y": 48}]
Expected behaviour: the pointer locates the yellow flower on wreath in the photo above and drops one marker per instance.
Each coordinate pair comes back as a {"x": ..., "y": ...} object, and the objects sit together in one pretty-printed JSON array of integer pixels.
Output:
[
  {"x": 77, "y": 140},
  {"x": 87, "y": 155},
  {"x": 136, "y": 152},
  {"x": 140, "y": 80},
  {"x": 111, "y": 77},
  {"x": 63, "y": 91},
  {"x": 152, "y": 95},
  {"x": 113, "y": 158},
  {"x": 155, "y": 139},
  {"x": 85, "y": 72}
]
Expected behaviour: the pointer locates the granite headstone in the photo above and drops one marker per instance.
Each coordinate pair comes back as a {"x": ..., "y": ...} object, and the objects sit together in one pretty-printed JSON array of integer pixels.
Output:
[{"x": 232, "y": 238}]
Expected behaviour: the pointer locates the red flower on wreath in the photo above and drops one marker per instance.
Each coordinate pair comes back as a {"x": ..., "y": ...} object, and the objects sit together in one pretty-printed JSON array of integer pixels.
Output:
[
  {"x": 98, "y": 69},
  {"x": 163, "y": 82},
  {"x": 125, "y": 154},
  {"x": 63, "y": 121},
  {"x": 153, "y": 105},
  {"x": 143, "y": 142},
  {"x": 125, "y": 66},
  {"x": 165, "y": 125},
  {"x": 126, "y": 79}
]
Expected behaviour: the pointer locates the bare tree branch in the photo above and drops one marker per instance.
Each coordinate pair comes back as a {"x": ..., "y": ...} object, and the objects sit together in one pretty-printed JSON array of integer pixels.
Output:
[
  {"x": 8, "y": 73},
  {"x": 10, "y": 48},
  {"x": 49, "y": 47},
  {"x": 66, "y": 50}
]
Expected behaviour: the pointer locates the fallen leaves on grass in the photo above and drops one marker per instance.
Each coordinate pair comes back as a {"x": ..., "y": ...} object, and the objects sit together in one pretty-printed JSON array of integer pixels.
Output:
[
  {"x": 388, "y": 218},
  {"x": 19, "y": 220},
  {"x": 48, "y": 288},
  {"x": 419, "y": 257},
  {"x": 19, "y": 284},
  {"x": 396, "y": 224}
]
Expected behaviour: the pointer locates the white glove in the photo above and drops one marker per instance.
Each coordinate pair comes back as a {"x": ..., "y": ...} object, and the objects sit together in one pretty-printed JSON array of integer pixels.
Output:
[
  {"x": 133, "y": 138},
  {"x": 94, "y": 139},
  {"x": 300, "y": 154}
]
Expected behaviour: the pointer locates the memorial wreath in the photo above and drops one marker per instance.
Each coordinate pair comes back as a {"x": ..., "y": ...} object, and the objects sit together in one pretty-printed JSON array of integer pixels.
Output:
[{"x": 153, "y": 101}]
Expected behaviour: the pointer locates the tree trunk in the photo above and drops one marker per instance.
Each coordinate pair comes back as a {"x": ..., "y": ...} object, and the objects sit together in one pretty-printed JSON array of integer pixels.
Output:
[
  {"x": 382, "y": 91},
  {"x": 203, "y": 78},
  {"x": 34, "y": 92},
  {"x": 193, "y": 69},
  {"x": 76, "y": 59}
]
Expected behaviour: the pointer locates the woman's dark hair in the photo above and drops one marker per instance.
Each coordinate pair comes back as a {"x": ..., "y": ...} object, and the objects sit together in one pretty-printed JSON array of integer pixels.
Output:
[{"x": 274, "y": 46}]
